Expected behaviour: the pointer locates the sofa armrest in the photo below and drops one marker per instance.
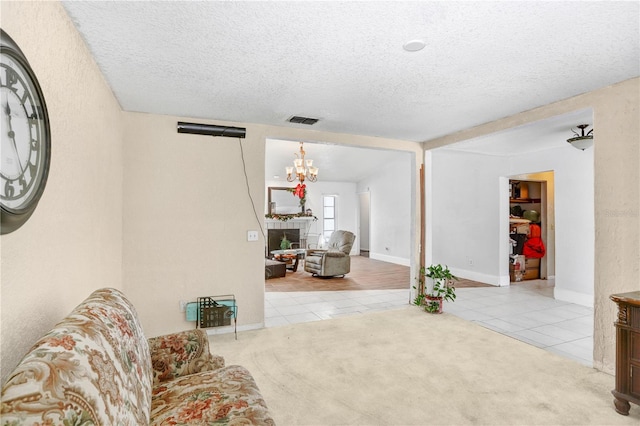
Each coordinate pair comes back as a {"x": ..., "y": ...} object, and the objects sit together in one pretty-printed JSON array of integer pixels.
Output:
[
  {"x": 331, "y": 253},
  {"x": 315, "y": 252},
  {"x": 181, "y": 354}
]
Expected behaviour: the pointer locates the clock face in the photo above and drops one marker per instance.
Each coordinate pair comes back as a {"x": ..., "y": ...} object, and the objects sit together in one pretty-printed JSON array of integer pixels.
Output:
[{"x": 24, "y": 138}]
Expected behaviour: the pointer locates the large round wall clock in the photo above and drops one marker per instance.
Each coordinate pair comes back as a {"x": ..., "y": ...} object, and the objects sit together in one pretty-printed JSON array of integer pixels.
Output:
[{"x": 25, "y": 152}]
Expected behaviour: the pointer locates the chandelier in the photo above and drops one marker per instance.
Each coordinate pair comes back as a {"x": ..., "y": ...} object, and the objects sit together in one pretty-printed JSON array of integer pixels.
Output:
[{"x": 303, "y": 169}]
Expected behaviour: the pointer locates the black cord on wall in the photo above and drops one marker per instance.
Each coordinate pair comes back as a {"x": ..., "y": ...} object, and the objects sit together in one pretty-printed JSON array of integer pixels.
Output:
[{"x": 246, "y": 179}]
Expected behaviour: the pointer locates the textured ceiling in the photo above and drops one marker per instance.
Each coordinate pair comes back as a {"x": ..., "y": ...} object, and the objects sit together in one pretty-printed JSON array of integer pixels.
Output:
[
  {"x": 343, "y": 62},
  {"x": 542, "y": 135}
]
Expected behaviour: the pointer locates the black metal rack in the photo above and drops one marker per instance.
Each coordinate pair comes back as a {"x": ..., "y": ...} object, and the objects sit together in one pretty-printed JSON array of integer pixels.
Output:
[{"x": 217, "y": 311}]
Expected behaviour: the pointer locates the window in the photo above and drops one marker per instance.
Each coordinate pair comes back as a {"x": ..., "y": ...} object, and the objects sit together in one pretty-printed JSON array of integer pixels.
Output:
[{"x": 329, "y": 216}]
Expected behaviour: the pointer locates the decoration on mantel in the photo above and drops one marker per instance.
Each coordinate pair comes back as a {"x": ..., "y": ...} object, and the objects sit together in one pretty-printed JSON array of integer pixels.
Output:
[
  {"x": 286, "y": 217},
  {"x": 300, "y": 191}
]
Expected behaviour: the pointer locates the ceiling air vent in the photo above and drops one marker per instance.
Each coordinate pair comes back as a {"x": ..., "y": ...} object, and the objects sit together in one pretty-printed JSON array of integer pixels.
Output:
[{"x": 303, "y": 120}]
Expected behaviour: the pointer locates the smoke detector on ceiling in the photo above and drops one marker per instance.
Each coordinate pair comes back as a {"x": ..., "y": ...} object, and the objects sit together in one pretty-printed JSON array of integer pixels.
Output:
[
  {"x": 414, "y": 45},
  {"x": 303, "y": 120}
]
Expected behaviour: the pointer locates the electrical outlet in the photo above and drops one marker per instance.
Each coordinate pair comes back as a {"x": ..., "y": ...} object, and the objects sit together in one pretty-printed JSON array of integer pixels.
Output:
[
  {"x": 252, "y": 235},
  {"x": 470, "y": 262},
  {"x": 183, "y": 305}
]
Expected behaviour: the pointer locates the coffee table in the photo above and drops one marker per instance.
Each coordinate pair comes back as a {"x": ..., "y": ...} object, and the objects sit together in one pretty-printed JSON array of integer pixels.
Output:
[{"x": 291, "y": 257}]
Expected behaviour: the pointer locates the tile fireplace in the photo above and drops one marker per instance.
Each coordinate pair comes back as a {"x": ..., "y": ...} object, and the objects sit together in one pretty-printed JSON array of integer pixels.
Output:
[
  {"x": 296, "y": 230},
  {"x": 275, "y": 236}
]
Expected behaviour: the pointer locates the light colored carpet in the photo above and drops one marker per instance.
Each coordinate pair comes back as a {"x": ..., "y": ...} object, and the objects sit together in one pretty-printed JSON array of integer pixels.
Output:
[{"x": 407, "y": 367}]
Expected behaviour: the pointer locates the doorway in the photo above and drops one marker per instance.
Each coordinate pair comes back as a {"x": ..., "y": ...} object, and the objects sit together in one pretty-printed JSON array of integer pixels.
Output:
[
  {"x": 531, "y": 205},
  {"x": 364, "y": 216}
]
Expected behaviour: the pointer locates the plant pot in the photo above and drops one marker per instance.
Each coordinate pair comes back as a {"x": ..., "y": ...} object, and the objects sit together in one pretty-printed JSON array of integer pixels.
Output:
[
  {"x": 433, "y": 304},
  {"x": 428, "y": 285}
]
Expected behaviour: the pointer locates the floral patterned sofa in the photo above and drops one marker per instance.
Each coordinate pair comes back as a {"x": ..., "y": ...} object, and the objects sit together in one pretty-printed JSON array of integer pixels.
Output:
[{"x": 97, "y": 368}]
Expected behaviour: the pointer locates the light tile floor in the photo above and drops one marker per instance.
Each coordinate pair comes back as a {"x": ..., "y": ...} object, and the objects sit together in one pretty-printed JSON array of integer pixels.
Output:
[
  {"x": 528, "y": 312},
  {"x": 283, "y": 308},
  {"x": 524, "y": 311}
]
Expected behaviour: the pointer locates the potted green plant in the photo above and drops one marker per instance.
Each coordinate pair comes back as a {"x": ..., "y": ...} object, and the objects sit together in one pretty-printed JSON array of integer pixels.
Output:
[
  {"x": 436, "y": 286},
  {"x": 284, "y": 243}
]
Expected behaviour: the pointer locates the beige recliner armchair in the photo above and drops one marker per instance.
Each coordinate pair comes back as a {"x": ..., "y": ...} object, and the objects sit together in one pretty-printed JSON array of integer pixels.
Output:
[{"x": 333, "y": 261}]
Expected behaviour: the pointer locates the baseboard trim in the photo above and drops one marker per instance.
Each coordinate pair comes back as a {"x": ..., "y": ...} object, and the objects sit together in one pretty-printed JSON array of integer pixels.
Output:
[
  {"x": 479, "y": 277},
  {"x": 573, "y": 297},
  {"x": 230, "y": 328},
  {"x": 390, "y": 259}
]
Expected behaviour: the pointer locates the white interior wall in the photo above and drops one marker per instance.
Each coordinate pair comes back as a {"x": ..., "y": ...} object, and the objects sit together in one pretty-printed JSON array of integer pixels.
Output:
[
  {"x": 391, "y": 210},
  {"x": 470, "y": 231},
  {"x": 574, "y": 217},
  {"x": 465, "y": 213}
]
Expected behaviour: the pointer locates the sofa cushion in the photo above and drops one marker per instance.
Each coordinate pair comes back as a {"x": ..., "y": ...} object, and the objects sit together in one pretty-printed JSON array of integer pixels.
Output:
[
  {"x": 228, "y": 395},
  {"x": 181, "y": 354}
]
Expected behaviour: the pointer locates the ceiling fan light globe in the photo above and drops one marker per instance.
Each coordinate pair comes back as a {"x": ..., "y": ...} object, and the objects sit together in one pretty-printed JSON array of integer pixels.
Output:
[{"x": 581, "y": 142}]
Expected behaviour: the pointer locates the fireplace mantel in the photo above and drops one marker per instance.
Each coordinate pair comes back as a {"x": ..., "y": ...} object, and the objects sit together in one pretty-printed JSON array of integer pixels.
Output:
[
  {"x": 297, "y": 219},
  {"x": 301, "y": 223}
]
